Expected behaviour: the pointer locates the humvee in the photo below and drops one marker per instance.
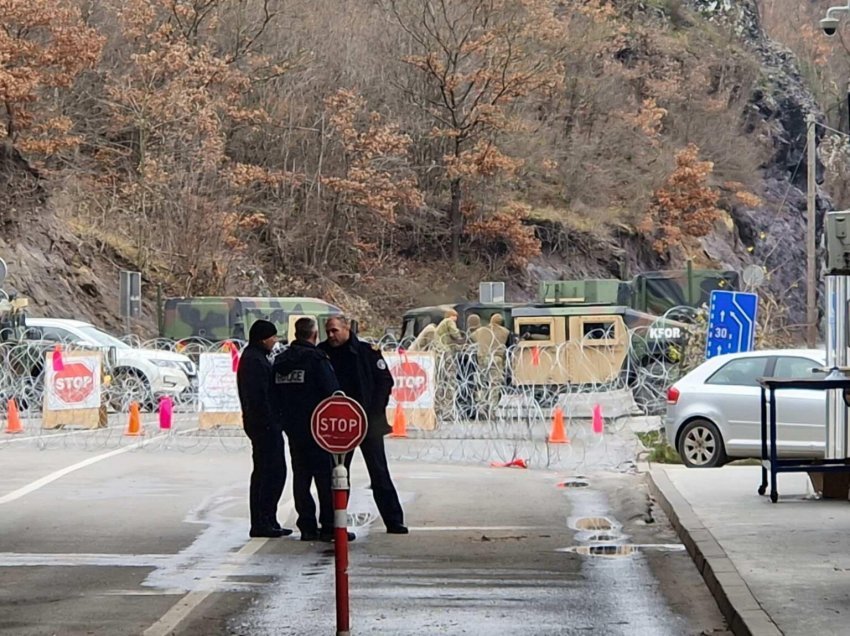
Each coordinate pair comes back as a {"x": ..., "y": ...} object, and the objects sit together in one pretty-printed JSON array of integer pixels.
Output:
[
  {"x": 574, "y": 342},
  {"x": 218, "y": 318},
  {"x": 566, "y": 344}
]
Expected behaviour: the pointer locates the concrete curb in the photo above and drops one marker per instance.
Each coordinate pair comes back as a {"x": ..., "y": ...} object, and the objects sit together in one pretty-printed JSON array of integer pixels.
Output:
[{"x": 742, "y": 611}]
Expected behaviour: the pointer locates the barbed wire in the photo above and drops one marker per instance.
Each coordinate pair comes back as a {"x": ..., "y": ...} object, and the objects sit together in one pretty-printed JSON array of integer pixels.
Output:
[{"x": 487, "y": 408}]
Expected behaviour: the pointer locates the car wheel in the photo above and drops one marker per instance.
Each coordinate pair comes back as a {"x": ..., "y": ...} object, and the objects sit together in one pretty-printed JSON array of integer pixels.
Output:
[
  {"x": 128, "y": 387},
  {"x": 701, "y": 446}
]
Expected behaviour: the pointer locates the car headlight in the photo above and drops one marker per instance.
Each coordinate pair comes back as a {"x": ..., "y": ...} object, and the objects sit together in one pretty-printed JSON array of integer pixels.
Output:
[
  {"x": 188, "y": 368},
  {"x": 166, "y": 364}
]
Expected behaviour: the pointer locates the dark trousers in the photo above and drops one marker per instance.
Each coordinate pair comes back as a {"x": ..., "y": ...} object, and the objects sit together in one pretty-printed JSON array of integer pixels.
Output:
[
  {"x": 268, "y": 476},
  {"x": 383, "y": 490},
  {"x": 310, "y": 463}
]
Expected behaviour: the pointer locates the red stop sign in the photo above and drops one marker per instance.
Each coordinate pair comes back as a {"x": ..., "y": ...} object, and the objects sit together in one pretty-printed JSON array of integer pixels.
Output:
[
  {"x": 74, "y": 384},
  {"x": 338, "y": 424},
  {"x": 410, "y": 381}
]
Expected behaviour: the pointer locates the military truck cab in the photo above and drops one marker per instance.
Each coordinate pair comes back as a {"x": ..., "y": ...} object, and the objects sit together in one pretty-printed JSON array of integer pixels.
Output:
[{"x": 218, "y": 318}]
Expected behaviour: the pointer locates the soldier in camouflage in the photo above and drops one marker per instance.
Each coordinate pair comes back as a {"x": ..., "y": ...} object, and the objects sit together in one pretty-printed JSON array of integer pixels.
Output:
[
  {"x": 425, "y": 340},
  {"x": 491, "y": 349},
  {"x": 447, "y": 338},
  {"x": 468, "y": 393}
]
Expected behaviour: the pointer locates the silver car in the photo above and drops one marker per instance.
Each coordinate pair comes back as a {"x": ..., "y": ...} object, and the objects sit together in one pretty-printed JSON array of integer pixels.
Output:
[{"x": 714, "y": 412}]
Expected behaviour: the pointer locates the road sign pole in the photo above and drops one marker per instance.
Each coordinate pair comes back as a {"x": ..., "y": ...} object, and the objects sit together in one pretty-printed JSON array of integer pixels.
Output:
[
  {"x": 339, "y": 485},
  {"x": 338, "y": 425}
]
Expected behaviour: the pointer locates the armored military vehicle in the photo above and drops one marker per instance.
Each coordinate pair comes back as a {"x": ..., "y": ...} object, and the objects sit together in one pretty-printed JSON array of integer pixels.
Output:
[
  {"x": 582, "y": 333},
  {"x": 219, "y": 318},
  {"x": 589, "y": 344},
  {"x": 651, "y": 293}
]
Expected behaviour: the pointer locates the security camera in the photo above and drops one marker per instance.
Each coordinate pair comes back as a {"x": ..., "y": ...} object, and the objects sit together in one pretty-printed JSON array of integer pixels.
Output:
[{"x": 829, "y": 26}]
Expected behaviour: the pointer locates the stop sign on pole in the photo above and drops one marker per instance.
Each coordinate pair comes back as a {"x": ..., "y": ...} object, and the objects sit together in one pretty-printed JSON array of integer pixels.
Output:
[{"x": 338, "y": 424}]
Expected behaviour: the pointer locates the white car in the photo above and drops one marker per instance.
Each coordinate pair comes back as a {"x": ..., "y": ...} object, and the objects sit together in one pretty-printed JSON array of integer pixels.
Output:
[
  {"x": 714, "y": 412},
  {"x": 142, "y": 374}
]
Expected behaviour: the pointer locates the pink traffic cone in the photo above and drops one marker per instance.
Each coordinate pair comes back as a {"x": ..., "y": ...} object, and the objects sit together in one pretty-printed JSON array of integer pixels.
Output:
[
  {"x": 166, "y": 408},
  {"x": 597, "y": 419}
]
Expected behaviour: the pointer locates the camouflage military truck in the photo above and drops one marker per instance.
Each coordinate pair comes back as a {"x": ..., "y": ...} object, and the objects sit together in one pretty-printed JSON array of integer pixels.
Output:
[
  {"x": 658, "y": 292},
  {"x": 566, "y": 344},
  {"x": 218, "y": 318},
  {"x": 650, "y": 292}
]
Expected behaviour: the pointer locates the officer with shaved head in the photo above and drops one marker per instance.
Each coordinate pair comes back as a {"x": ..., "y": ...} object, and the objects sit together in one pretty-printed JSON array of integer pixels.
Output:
[{"x": 363, "y": 375}]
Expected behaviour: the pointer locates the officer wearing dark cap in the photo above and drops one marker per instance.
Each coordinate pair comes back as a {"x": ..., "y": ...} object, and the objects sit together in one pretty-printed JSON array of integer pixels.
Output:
[{"x": 254, "y": 382}]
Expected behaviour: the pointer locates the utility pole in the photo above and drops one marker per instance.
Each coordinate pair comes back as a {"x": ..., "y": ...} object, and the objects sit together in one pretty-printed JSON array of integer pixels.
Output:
[{"x": 811, "y": 274}]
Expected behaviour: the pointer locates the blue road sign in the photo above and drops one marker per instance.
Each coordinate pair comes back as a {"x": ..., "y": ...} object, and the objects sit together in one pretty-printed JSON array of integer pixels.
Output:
[{"x": 731, "y": 322}]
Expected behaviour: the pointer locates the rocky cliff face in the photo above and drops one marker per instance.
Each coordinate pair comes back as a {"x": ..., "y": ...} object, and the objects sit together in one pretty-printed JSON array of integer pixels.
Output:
[
  {"x": 776, "y": 230},
  {"x": 771, "y": 235}
]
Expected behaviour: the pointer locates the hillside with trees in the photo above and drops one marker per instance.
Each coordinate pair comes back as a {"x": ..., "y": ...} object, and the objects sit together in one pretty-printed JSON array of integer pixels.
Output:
[{"x": 389, "y": 153}]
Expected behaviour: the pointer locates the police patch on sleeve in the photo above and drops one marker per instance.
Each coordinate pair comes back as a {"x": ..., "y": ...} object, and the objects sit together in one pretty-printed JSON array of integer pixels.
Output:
[{"x": 382, "y": 365}]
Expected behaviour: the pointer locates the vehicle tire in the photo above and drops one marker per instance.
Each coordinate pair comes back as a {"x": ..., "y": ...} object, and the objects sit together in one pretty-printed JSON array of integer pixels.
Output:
[
  {"x": 128, "y": 385},
  {"x": 701, "y": 445}
]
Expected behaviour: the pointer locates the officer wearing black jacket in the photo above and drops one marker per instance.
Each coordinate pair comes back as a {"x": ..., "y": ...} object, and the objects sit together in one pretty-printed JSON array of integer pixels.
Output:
[
  {"x": 253, "y": 380},
  {"x": 363, "y": 375},
  {"x": 304, "y": 377}
]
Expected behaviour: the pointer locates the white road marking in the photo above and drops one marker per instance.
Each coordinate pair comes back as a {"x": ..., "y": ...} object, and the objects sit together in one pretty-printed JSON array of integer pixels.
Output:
[
  {"x": 168, "y": 623},
  {"x": 68, "y": 559},
  {"x": 47, "y": 436},
  {"x": 58, "y": 474},
  {"x": 180, "y": 610}
]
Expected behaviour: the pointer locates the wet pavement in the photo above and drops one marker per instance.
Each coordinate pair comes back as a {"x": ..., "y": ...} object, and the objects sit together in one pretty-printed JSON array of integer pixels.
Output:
[
  {"x": 138, "y": 542},
  {"x": 500, "y": 555}
]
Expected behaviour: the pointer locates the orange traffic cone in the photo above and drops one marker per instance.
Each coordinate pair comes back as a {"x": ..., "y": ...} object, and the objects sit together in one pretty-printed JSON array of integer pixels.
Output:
[
  {"x": 399, "y": 422},
  {"x": 134, "y": 424},
  {"x": 558, "y": 435},
  {"x": 13, "y": 419}
]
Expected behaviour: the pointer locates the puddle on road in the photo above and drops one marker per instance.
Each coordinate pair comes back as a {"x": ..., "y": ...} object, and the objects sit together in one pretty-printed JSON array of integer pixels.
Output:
[
  {"x": 592, "y": 523},
  {"x": 574, "y": 483},
  {"x": 624, "y": 550}
]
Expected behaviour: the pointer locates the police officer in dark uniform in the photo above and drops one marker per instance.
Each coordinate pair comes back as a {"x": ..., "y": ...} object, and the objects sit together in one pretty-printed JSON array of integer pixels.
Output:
[
  {"x": 363, "y": 375},
  {"x": 303, "y": 377},
  {"x": 253, "y": 380}
]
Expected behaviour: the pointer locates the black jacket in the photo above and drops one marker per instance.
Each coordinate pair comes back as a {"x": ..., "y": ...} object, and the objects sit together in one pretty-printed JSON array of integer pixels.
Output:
[
  {"x": 372, "y": 380},
  {"x": 253, "y": 380},
  {"x": 303, "y": 377}
]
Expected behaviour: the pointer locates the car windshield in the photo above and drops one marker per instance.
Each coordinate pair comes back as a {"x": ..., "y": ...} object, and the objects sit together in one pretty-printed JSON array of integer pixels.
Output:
[{"x": 102, "y": 338}]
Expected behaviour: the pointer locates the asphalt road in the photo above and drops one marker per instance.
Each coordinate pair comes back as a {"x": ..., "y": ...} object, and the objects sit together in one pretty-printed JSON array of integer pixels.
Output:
[{"x": 147, "y": 539}]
